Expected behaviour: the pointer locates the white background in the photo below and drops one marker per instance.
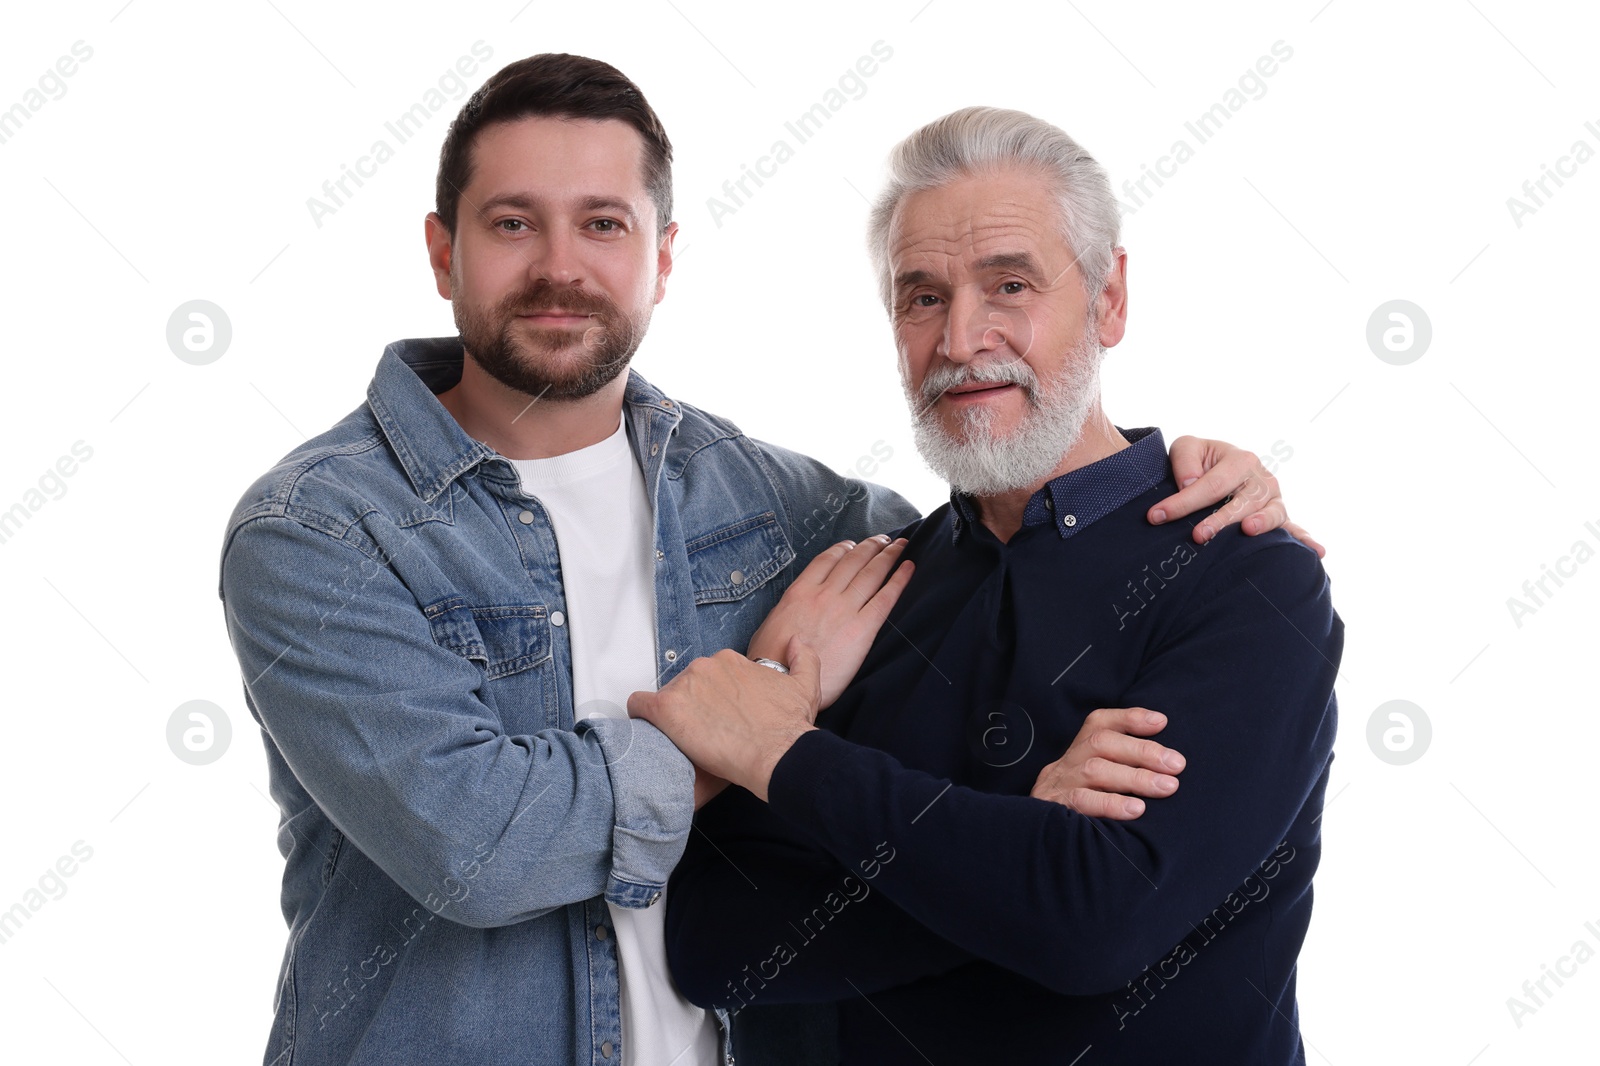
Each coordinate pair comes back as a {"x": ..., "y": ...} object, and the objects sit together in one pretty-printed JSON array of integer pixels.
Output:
[{"x": 1376, "y": 166}]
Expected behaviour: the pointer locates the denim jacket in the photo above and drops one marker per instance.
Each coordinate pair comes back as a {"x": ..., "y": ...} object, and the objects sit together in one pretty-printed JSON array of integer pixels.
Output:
[{"x": 451, "y": 835}]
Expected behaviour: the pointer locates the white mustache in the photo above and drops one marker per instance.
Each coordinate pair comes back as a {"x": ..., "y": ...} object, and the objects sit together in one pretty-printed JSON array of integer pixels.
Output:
[{"x": 951, "y": 375}]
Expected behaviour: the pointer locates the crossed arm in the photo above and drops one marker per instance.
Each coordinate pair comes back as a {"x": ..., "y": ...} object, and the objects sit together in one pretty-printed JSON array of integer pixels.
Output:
[
  {"x": 820, "y": 832},
  {"x": 945, "y": 873}
]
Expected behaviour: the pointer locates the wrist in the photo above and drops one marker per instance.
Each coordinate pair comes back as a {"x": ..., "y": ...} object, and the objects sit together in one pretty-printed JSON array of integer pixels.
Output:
[
  {"x": 768, "y": 756},
  {"x": 764, "y": 649}
]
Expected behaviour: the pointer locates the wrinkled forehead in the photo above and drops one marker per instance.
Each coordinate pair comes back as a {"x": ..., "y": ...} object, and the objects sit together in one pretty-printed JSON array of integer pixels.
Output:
[{"x": 957, "y": 226}]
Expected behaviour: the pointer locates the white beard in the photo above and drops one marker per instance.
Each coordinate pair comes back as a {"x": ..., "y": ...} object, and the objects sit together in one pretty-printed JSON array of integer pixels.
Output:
[{"x": 978, "y": 463}]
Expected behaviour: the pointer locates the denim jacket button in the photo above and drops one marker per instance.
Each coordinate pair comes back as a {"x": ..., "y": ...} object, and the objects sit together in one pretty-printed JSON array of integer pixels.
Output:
[
  {"x": 557, "y": 618},
  {"x": 600, "y": 932},
  {"x": 671, "y": 656},
  {"x": 526, "y": 518},
  {"x": 737, "y": 577},
  {"x": 605, "y": 1050},
  {"x": 655, "y": 897}
]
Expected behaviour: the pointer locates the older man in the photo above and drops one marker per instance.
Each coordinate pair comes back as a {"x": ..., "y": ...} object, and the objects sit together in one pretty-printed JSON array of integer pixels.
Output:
[{"x": 893, "y": 859}]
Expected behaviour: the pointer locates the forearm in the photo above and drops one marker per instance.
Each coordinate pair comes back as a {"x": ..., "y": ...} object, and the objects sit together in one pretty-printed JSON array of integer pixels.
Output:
[
  {"x": 1022, "y": 883},
  {"x": 1081, "y": 904},
  {"x": 386, "y": 731}
]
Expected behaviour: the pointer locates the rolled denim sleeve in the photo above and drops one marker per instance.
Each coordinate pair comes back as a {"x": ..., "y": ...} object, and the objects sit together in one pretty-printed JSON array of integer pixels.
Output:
[
  {"x": 652, "y": 802},
  {"x": 387, "y": 732}
]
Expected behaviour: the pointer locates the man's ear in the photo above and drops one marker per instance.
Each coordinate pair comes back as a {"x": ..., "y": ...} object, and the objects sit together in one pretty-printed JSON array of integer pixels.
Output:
[
  {"x": 439, "y": 250},
  {"x": 1112, "y": 305},
  {"x": 664, "y": 260}
]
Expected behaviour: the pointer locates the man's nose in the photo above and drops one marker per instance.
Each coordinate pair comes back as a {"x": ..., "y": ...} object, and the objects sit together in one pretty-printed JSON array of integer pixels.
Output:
[
  {"x": 969, "y": 328},
  {"x": 556, "y": 258}
]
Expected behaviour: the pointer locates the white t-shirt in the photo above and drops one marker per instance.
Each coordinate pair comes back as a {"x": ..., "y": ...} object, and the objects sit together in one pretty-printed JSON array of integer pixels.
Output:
[{"x": 601, "y": 511}]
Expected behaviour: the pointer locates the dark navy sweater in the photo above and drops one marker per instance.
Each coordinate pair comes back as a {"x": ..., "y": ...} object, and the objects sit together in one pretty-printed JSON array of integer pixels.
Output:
[{"x": 901, "y": 870}]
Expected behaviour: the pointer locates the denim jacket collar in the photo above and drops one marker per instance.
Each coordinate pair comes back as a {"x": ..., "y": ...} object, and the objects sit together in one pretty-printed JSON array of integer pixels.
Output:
[{"x": 431, "y": 445}]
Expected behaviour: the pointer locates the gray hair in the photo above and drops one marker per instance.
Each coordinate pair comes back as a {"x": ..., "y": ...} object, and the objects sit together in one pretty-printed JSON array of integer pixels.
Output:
[{"x": 980, "y": 139}]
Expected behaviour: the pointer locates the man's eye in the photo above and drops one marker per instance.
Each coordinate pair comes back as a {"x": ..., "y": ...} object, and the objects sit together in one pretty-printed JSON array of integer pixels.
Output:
[
  {"x": 513, "y": 222},
  {"x": 1012, "y": 288},
  {"x": 606, "y": 225},
  {"x": 918, "y": 300}
]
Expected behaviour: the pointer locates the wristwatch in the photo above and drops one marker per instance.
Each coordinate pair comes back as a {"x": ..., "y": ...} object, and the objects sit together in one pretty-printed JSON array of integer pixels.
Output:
[{"x": 782, "y": 669}]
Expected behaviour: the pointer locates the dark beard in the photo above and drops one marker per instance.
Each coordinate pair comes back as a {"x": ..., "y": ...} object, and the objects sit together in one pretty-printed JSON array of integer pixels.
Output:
[{"x": 608, "y": 342}]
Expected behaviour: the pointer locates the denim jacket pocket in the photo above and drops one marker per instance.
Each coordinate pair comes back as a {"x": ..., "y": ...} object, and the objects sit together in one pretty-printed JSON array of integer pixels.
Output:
[
  {"x": 730, "y": 563},
  {"x": 504, "y": 639}
]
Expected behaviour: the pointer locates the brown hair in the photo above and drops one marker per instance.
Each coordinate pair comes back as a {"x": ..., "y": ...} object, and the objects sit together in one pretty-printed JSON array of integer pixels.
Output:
[{"x": 561, "y": 86}]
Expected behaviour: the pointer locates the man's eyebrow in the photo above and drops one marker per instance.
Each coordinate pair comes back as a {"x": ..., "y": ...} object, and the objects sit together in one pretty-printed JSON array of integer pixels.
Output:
[
  {"x": 524, "y": 202},
  {"x": 1016, "y": 262},
  {"x": 610, "y": 203},
  {"x": 912, "y": 277},
  {"x": 520, "y": 201}
]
